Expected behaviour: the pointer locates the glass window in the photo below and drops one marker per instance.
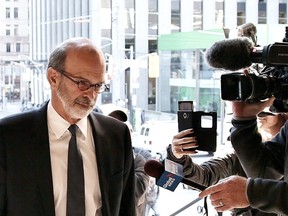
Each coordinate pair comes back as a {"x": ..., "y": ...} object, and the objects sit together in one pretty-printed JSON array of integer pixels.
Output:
[
  {"x": 197, "y": 15},
  {"x": 106, "y": 34},
  {"x": 241, "y": 13},
  {"x": 147, "y": 131},
  {"x": 142, "y": 130},
  {"x": 262, "y": 12},
  {"x": 8, "y": 30},
  {"x": 8, "y": 47},
  {"x": 18, "y": 47},
  {"x": 8, "y": 13},
  {"x": 153, "y": 17},
  {"x": 16, "y": 30},
  {"x": 15, "y": 12},
  {"x": 219, "y": 13},
  {"x": 175, "y": 16},
  {"x": 282, "y": 13}
]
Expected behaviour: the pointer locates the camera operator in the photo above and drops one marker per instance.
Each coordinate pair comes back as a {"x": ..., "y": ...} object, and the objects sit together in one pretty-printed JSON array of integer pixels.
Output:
[{"x": 263, "y": 162}]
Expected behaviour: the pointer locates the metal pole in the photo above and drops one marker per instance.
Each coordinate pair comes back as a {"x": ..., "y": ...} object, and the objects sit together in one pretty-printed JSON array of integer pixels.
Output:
[
  {"x": 186, "y": 206},
  {"x": 131, "y": 86}
]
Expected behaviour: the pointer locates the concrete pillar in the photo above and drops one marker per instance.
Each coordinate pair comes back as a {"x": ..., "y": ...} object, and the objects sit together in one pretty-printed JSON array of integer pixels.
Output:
[
  {"x": 252, "y": 11},
  {"x": 230, "y": 14},
  {"x": 187, "y": 15},
  {"x": 209, "y": 9}
]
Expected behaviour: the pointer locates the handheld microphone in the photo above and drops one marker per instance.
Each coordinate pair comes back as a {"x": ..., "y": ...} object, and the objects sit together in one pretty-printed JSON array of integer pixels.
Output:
[
  {"x": 230, "y": 54},
  {"x": 170, "y": 175}
]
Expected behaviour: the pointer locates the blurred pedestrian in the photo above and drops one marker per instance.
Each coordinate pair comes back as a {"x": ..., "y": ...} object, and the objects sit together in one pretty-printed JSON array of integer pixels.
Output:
[{"x": 152, "y": 198}]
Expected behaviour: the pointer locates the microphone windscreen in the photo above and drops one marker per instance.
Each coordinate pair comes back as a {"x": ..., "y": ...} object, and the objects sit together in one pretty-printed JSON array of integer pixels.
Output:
[
  {"x": 230, "y": 54},
  {"x": 154, "y": 168}
]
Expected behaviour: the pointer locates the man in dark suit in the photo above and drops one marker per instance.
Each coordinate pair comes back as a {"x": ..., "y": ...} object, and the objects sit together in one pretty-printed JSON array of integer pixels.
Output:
[{"x": 34, "y": 145}]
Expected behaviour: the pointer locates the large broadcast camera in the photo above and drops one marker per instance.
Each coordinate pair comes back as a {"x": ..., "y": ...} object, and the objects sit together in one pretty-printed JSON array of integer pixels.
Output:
[{"x": 267, "y": 68}]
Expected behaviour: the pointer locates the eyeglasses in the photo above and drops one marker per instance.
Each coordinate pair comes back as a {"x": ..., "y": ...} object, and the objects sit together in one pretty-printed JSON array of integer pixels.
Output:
[{"x": 84, "y": 85}]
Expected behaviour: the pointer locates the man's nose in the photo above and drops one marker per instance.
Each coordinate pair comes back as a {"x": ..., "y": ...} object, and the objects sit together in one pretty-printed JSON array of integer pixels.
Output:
[{"x": 91, "y": 93}]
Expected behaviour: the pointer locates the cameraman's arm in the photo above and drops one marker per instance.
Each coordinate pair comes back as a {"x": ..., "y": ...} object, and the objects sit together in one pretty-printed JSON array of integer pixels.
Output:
[{"x": 258, "y": 159}]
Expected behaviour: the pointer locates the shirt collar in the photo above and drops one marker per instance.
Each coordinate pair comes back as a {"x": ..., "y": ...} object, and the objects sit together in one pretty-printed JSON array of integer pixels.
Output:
[{"x": 59, "y": 126}]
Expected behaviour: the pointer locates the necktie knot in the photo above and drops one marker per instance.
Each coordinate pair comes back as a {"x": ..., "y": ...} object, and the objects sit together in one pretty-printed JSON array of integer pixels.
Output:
[{"x": 73, "y": 128}]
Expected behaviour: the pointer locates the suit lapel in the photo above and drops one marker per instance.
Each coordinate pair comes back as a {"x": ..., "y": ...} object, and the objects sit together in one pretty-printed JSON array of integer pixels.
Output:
[
  {"x": 40, "y": 146},
  {"x": 101, "y": 157}
]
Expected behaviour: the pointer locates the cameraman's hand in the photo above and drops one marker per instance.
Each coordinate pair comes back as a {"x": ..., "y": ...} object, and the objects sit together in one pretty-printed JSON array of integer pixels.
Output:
[
  {"x": 242, "y": 109},
  {"x": 182, "y": 145}
]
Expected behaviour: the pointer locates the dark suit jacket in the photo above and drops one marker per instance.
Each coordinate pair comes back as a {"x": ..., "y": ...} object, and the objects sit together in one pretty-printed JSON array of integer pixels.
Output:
[{"x": 26, "y": 187}]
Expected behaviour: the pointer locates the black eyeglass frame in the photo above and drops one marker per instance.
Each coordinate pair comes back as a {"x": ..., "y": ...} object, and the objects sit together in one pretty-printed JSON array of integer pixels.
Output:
[{"x": 84, "y": 85}]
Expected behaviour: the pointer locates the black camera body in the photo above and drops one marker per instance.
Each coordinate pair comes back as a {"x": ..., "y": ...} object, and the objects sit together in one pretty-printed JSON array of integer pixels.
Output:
[
  {"x": 203, "y": 123},
  {"x": 272, "y": 80}
]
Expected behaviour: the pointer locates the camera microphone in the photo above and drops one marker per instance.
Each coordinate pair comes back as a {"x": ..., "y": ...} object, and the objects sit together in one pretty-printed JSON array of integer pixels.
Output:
[
  {"x": 169, "y": 175},
  {"x": 230, "y": 54}
]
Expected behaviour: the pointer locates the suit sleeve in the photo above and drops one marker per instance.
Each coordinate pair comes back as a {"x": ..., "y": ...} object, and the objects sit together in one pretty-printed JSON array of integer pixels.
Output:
[
  {"x": 265, "y": 160},
  {"x": 264, "y": 164},
  {"x": 268, "y": 195},
  {"x": 2, "y": 175},
  {"x": 128, "y": 206},
  {"x": 211, "y": 171},
  {"x": 115, "y": 163}
]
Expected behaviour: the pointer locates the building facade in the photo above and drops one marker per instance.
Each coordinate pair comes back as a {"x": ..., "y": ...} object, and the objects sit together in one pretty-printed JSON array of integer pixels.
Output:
[
  {"x": 14, "y": 47},
  {"x": 130, "y": 31}
]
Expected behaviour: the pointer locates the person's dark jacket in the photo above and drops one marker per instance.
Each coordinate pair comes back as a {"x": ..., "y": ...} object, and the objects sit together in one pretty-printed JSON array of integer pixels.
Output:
[
  {"x": 263, "y": 162},
  {"x": 26, "y": 186},
  {"x": 212, "y": 171}
]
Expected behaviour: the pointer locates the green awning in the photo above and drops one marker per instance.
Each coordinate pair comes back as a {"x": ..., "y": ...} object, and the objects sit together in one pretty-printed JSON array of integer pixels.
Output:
[{"x": 200, "y": 39}]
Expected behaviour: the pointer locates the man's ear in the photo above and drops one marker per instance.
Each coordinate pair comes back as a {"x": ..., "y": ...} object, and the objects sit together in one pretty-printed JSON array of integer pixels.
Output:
[{"x": 53, "y": 77}]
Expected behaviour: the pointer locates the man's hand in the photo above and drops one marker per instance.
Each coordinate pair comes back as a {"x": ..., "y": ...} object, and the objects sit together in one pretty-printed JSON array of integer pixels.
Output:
[
  {"x": 228, "y": 194},
  {"x": 182, "y": 145}
]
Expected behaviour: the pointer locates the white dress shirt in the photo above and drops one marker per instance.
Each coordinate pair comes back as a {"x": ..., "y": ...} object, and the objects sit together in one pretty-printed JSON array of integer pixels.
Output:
[{"x": 59, "y": 137}]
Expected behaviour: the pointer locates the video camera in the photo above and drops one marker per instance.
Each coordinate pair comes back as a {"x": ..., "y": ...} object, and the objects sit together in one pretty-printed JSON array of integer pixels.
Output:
[{"x": 267, "y": 74}]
